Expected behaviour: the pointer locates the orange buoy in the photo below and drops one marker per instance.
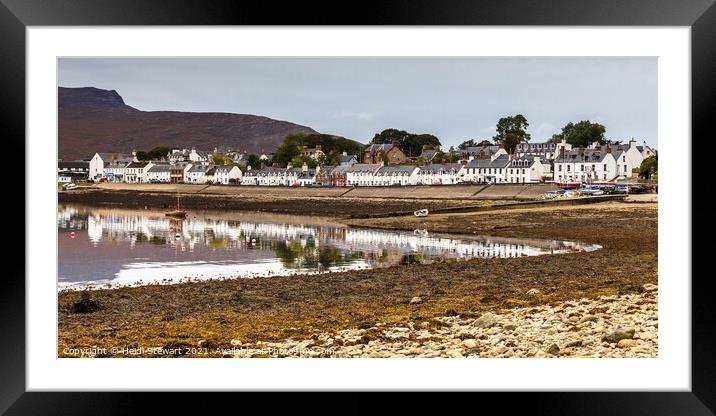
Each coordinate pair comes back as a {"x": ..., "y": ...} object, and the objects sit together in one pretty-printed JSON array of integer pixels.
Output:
[{"x": 73, "y": 234}]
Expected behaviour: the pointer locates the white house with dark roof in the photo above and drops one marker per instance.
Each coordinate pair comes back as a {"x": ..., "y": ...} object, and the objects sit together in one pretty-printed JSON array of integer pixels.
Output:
[
  {"x": 347, "y": 160},
  {"x": 250, "y": 177},
  {"x": 271, "y": 176},
  {"x": 491, "y": 170},
  {"x": 136, "y": 172},
  {"x": 362, "y": 174},
  {"x": 159, "y": 173},
  {"x": 441, "y": 174},
  {"x": 545, "y": 150},
  {"x": 396, "y": 175},
  {"x": 199, "y": 156},
  {"x": 100, "y": 161},
  {"x": 527, "y": 169},
  {"x": 224, "y": 174},
  {"x": 585, "y": 165},
  {"x": 196, "y": 173}
]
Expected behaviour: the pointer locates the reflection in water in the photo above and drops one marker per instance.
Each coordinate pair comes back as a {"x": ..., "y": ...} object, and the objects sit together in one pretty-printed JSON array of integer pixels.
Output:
[{"x": 116, "y": 248}]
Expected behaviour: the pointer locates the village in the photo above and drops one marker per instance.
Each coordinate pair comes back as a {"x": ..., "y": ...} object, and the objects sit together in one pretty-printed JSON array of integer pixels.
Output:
[{"x": 379, "y": 165}]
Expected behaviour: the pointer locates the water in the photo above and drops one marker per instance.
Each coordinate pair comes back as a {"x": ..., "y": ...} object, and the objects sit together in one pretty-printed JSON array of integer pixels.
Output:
[{"x": 118, "y": 247}]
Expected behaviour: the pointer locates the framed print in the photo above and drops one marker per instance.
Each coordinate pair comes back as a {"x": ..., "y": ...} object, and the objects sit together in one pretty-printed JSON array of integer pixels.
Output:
[{"x": 412, "y": 198}]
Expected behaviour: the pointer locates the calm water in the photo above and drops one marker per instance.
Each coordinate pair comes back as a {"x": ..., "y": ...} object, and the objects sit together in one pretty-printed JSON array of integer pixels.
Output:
[{"x": 107, "y": 247}]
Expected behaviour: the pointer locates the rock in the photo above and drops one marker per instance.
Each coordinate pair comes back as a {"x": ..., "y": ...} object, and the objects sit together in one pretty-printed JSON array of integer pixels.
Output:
[
  {"x": 533, "y": 292},
  {"x": 416, "y": 300},
  {"x": 235, "y": 343},
  {"x": 588, "y": 318},
  {"x": 469, "y": 343},
  {"x": 487, "y": 320},
  {"x": 618, "y": 335},
  {"x": 574, "y": 344},
  {"x": 626, "y": 343},
  {"x": 553, "y": 349},
  {"x": 509, "y": 327},
  {"x": 650, "y": 287}
]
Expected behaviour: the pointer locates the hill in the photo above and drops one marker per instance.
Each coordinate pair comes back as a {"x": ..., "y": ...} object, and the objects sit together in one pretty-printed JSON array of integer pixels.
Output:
[{"x": 95, "y": 120}]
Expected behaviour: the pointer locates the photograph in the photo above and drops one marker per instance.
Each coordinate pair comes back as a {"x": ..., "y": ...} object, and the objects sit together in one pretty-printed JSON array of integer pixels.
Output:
[{"x": 357, "y": 207}]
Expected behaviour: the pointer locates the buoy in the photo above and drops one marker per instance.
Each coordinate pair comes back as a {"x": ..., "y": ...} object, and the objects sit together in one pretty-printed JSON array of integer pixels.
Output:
[
  {"x": 73, "y": 234},
  {"x": 177, "y": 236},
  {"x": 171, "y": 228}
]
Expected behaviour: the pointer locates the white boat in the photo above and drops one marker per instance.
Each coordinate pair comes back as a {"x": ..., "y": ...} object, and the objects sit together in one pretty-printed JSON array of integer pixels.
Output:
[{"x": 421, "y": 213}]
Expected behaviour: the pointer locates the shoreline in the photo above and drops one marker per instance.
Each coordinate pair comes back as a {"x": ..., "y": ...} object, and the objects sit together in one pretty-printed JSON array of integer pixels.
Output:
[{"x": 299, "y": 307}]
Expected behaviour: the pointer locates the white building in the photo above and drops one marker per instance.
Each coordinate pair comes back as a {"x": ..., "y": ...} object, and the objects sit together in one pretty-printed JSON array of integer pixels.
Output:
[
  {"x": 527, "y": 169},
  {"x": 396, "y": 175},
  {"x": 250, "y": 177},
  {"x": 159, "y": 173},
  {"x": 100, "y": 161},
  {"x": 199, "y": 156},
  {"x": 585, "y": 165},
  {"x": 196, "y": 173},
  {"x": 271, "y": 176},
  {"x": 225, "y": 173},
  {"x": 362, "y": 174},
  {"x": 491, "y": 170},
  {"x": 441, "y": 174},
  {"x": 136, "y": 172},
  {"x": 546, "y": 150}
]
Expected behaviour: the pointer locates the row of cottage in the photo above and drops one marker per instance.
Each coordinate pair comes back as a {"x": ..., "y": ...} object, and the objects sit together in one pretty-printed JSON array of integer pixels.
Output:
[{"x": 530, "y": 163}]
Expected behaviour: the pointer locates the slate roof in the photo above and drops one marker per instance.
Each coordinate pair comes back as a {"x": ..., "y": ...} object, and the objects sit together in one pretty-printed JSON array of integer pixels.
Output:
[
  {"x": 395, "y": 170},
  {"x": 160, "y": 168},
  {"x": 499, "y": 162},
  {"x": 364, "y": 167}
]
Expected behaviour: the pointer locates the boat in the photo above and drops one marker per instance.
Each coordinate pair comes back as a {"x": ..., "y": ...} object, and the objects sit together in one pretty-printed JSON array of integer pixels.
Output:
[
  {"x": 177, "y": 213},
  {"x": 568, "y": 185},
  {"x": 421, "y": 213}
]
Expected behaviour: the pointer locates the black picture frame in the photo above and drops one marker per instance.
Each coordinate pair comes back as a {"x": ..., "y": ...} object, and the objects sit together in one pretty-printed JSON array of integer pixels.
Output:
[{"x": 15, "y": 15}]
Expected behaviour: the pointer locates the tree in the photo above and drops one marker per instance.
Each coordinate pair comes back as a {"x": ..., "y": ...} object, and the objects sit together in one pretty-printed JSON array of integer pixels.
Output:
[
  {"x": 511, "y": 131},
  {"x": 286, "y": 152},
  {"x": 649, "y": 167},
  {"x": 142, "y": 155},
  {"x": 410, "y": 143},
  {"x": 583, "y": 133},
  {"x": 420, "y": 161},
  {"x": 220, "y": 159},
  {"x": 254, "y": 161},
  {"x": 158, "y": 152}
]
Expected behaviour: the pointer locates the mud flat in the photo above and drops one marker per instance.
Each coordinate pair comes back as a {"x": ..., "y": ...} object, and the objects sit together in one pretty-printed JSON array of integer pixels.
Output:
[{"x": 555, "y": 290}]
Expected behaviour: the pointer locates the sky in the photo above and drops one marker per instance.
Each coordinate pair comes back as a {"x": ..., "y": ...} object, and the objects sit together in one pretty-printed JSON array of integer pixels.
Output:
[{"x": 455, "y": 99}]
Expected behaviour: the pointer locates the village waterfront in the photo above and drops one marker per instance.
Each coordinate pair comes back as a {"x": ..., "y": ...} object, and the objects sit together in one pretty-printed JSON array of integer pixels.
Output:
[{"x": 596, "y": 303}]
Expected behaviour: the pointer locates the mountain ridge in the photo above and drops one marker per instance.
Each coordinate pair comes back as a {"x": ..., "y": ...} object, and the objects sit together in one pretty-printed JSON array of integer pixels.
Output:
[{"x": 97, "y": 120}]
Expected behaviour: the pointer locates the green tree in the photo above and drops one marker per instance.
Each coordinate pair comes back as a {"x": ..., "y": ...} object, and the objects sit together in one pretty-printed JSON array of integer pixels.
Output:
[
  {"x": 142, "y": 155},
  {"x": 220, "y": 159},
  {"x": 158, "y": 152},
  {"x": 649, "y": 167},
  {"x": 582, "y": 133},
  {"x": 286, "y": 152},
  {"x": 420, "y": 161},
  {"x": 511, "y": 131},
  {"x": 410, "y": 143}
]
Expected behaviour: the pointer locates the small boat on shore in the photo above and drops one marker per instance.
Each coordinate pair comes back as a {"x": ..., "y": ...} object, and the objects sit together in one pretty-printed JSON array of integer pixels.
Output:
[
  {"x": 421, "y": 213},
  {"x": 568, "y": 185}
]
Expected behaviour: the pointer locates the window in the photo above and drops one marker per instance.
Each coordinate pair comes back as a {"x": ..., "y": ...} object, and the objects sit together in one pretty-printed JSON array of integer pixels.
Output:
[{"x": 605, "y": 167}]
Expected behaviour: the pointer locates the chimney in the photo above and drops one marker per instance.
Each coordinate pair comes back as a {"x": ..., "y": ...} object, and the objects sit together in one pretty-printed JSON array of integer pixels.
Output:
[
  {"x": 632, "y": 143},
  {"x": 318, "y": 169},
  {"x": 304, "y": 168},
  {"x": 248, "y": 168},
  {"x": 262, "y": 165},
  {"x": 346, "y": 153},
  {"x": 382, "y": 163},
  {"x": 581, "y": 150},
  {"x": 134, "y": 156}
]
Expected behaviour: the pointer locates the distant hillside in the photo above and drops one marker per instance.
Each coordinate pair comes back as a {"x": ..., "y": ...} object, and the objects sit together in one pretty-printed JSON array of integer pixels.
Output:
[{"x": 95, "y": 120}]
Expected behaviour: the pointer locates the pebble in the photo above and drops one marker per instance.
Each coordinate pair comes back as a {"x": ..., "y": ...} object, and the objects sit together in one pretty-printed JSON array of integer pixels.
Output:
[
  {"x": 526, "y": 332},
  {"x": 416, "y": 300}
]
